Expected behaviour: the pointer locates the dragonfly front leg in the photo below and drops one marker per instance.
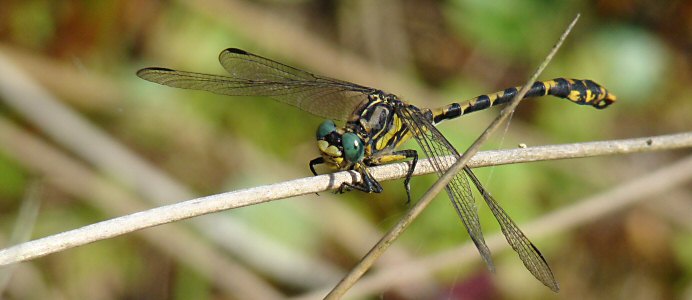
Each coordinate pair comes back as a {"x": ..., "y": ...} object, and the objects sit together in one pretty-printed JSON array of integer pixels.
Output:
[
  {"x": 314, "y": 162},
  {"x": 368, "y": 184}
]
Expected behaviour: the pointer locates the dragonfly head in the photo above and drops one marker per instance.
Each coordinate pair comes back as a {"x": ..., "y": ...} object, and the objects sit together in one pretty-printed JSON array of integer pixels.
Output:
[{"x": 339, "y": 148}]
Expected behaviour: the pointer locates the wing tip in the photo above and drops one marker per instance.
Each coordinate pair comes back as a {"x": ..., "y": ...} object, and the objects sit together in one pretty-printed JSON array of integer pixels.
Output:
[
  {"x": 554, "y": 286},
  {"x": 142, "y": 73},
  {"x": 235, "y": 51}
]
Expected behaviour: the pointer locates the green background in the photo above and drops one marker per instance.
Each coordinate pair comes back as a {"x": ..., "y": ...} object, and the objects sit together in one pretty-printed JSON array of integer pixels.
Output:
[{"x": 430, "y": 53}]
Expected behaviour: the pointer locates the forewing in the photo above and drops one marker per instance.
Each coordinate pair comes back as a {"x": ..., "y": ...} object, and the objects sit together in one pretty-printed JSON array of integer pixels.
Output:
[
  {"x": 316, "y": 94},
  {"x": 252, "y": 75},
  {"x": 529, "y": 254},
  {"x": 436, "y": 146}
]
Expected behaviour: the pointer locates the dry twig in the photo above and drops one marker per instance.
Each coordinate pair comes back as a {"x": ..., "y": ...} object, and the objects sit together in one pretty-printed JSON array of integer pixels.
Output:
[{"x": 256, "y": 195}]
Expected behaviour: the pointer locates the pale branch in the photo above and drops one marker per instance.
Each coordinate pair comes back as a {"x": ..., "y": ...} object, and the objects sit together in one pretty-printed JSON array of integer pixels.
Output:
[{"x": 256, "y": 195}]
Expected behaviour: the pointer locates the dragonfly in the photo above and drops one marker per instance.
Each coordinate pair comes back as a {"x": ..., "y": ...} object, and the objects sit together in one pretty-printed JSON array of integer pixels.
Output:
[{"x": 375, "y": 126}]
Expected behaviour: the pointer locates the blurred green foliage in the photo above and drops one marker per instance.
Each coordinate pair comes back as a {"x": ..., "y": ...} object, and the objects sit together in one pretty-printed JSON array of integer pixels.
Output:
[{"x": 640, "y": 50}]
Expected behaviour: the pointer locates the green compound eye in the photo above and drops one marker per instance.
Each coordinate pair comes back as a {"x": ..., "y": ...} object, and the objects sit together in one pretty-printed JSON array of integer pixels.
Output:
[
  {"x": 353, "y": 147},
  {"x": 325, "y": 129}
]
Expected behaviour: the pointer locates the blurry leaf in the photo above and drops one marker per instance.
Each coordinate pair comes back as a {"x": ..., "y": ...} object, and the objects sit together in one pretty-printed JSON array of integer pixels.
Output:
[
  {"x": 190, "y": 285},
  {"x": 508, "y": 28},
  {"x": 632, "y": 62},
  {"x": 12, "y": 180}
]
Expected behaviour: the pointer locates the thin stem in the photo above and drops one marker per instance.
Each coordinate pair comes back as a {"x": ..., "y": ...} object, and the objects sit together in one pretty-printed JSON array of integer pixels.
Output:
[{"x": 256, "y": 195}]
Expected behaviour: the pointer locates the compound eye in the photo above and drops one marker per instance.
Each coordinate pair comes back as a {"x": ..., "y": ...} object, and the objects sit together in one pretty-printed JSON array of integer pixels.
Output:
[
  {"x": 325, "y": 129},
  {"x": 353, "y": 147}
]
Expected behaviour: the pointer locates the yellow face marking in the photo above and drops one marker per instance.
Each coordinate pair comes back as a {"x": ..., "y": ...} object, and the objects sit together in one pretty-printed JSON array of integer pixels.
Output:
[
  {"x": 322, "y": 146},
  {"x": 333, "y": 151},
  {"x": 330, "y": 150}
]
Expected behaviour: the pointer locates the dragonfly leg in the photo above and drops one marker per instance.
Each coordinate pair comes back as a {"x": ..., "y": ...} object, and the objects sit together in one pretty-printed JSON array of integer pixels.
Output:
[
  {"x": 369, "y": 184},
  {"x": 314, "y": 162},
  {"x": 407, "y": 181},
  {"x": 394, "y": 157}
]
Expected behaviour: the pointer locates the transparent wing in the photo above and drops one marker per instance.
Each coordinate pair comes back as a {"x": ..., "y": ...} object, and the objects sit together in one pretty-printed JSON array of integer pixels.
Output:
[
  {"x": 529, "y": 254},
  {"x": 436, "y": 146},
  {"x": 252, "y": 75}
]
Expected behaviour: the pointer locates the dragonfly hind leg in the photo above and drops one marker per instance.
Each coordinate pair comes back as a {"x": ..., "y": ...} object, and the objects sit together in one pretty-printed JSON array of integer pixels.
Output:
[{"x": 397, "y": 156}]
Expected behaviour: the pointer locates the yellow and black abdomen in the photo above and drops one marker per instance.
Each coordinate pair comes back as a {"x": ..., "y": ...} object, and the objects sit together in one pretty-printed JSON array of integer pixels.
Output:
[{"x": 583, "y": 92}]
